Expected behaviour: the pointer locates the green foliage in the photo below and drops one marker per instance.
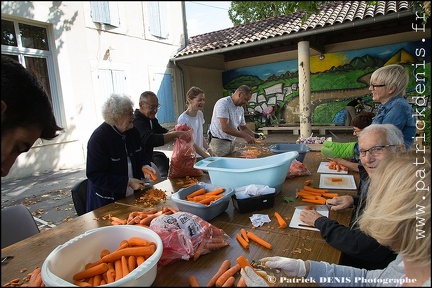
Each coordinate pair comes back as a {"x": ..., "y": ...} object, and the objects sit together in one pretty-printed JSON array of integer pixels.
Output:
[{"x": 245, "y": 12}]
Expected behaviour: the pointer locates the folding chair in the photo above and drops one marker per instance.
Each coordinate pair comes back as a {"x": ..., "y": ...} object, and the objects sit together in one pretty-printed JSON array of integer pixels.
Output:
[
  {"x": 79, "y": 196},
  {"x": 17, "y": 223},
  {"x": 162, "y": 163}
]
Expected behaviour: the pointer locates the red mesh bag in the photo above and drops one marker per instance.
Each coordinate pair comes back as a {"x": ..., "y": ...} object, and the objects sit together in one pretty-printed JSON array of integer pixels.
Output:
[{"x": 184, "y": 155}]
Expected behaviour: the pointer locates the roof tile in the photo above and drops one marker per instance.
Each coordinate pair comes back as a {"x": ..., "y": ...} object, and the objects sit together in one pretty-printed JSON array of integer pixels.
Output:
[{"x": 331, "y": 14}]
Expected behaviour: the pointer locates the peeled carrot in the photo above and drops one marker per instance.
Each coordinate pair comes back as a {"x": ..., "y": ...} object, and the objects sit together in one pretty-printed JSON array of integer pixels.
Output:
[
  {"x": 193, "y": 282},
  {"x": 118, "y": 269},
  {"x": 137, "y": 251},
  {"x": 308, "y": 188},
  {"x": 330, "y": 195},
  {"x": 137, "y": 241},
  {"x": 150, "y": 172},
  {"x": 210, "y": 199},
  {"x": 124, "y": 264},
  {"x": 224, "y": 267},
  {"x": 216, "y": 191},
  {"x": 140, "y": 260},
  {"x": 110, "y": 275},
  {"x": 90, "y": 272},
  {"x": 281, "y": 221},
  {"x": 244, "y": 234},
  {"x": 336, "y": 179},
  {"x": 242, "y": 241},
  {"x": 229, "y": 282},
  {"x": 228, "y": 273},
  {"x": 307, "y": 182},
  {"x": 318, "y": 201},
  {"x": 81, "y": 284},
  {"x": 259, "y": 240},
  {"x": 104, "y": 252},
  {"x": 97, "y": 280},
  {"x": 196, "y": 193},
  {"x": 243, "y": 262},
  {"x": 241, "y": 282},
  {"x": 33, "y": 277},
  {"x": 123, "y": 244}
]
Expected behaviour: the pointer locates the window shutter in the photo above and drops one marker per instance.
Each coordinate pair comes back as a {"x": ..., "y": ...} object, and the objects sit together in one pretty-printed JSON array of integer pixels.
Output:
[
  {"x": 105, "y": 12},
  {"x": 158, "y": 19}
]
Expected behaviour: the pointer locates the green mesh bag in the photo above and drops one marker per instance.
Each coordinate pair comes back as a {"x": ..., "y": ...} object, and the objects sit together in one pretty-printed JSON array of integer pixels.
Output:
[{"x": 338, "y": 149}]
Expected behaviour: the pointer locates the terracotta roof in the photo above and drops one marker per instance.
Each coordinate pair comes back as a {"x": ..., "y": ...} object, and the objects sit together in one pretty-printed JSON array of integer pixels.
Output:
[{"x": 330, "y": 15}]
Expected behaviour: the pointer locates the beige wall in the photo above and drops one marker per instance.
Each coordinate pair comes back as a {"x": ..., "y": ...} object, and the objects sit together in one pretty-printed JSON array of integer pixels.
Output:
[{"x": 79, "y": 47}]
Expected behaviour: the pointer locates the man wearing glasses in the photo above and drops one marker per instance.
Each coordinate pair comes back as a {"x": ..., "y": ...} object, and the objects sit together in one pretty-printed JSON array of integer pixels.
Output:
[
  {"x": 376, "y": 143},
  {"x": 151, "y": 132}
]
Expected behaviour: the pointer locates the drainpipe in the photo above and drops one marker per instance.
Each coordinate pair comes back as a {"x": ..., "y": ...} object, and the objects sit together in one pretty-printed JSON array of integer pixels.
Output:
[{"x": 304, "y": 88}]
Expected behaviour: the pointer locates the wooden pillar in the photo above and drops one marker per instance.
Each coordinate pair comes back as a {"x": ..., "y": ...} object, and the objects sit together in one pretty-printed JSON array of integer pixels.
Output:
[{"x": 304, "y": 89}]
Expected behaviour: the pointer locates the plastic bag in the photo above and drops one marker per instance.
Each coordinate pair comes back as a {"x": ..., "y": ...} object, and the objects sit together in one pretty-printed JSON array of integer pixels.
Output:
[
  {"x": 297, "y": 168},
  {"x": 184, "y": 155},
  {"x": 185, "y": 235}
]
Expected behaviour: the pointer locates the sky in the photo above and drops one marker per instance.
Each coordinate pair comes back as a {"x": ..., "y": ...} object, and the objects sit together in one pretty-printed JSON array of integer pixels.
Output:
[{"x": 207, "y": 16}]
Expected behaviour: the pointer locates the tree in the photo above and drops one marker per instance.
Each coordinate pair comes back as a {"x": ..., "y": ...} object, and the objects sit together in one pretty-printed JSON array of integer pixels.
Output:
[{"x": 245, "y": 12}]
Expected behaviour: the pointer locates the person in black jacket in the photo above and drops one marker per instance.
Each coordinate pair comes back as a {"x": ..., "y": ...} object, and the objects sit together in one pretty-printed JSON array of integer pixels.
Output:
[
  {"x": 115, "y": 156},
  {"x": 376, "y": 142},
  {"x": 152, "y": 134}
]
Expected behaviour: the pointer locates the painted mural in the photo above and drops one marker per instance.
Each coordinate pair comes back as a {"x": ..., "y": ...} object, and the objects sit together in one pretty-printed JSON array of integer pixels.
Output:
[{"x": 336, "y": 79}]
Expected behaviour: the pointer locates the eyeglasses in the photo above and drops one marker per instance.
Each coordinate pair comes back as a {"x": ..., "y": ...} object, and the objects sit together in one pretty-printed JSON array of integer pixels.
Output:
[
  {"x": 378, "y": 85},
  {"x": 152, "y": 107},
  {"x": 375, "y": 151}
]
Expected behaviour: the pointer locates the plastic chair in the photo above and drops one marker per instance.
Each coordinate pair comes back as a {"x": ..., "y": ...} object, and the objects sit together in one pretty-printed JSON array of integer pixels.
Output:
[
  {"x": 162, "y": 163},
  {"x": 79, "y": 196},
  {"x": 17, "y": 223}
]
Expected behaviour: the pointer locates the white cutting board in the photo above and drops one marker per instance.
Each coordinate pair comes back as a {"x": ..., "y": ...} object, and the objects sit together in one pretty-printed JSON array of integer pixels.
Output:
[{"x": 323, "y": 168}]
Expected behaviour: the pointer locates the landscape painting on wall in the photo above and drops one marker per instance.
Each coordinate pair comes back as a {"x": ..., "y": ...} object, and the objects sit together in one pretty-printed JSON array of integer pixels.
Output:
[{"x": 336, "y": 79}]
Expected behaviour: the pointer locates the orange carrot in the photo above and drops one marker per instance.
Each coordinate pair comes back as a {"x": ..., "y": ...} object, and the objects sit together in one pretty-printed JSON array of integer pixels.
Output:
[
  {"x": 123, "y": 244},
  {"x": 242, "y": 241},
  {"x": 216, "y": 191},
  {"x": 259, "y": 240},
  {"x": 210, "y": 199},
  {"x": 330, "y": 195},
  {"x": 196, "y": 193},
  {"x": 124, "y": 264},
  {"x": 334, "y": 179},
  {"x": 241, "y": 282},
  {"x": 150, "y": 172},
  {"x": 118, "y": 269},
  {"x": 243, "y": 262},
  {"x": 244, "y": 234},
  {"x": 34, "y": 275},
  {"x": 307, "y": 182},
  {"x": 81, "y": 284},
  {"x": 224, "y": 267},
  {"x": 140, "y": 260},
  {"x": 104, "y": 252},
  {"x": 229, "y": 282},
  {"x": 282, "y": 223},
  {"x": 318, "y": 201},
  {"x": 137, "y": 241},
  {"x": 199, "y": 250},
  {"x": 308, "y": 188},
  {"x": 132, "y": 263},
  {"x": 97, "y": 280},
  {"x": 110, "y": 275},
  {"x": 90, "y": 272},
  {"x": 137, "y": 251},
  {"x": 228, "y": 273},
  {"x": 214, "y": 246},
  {"x": 193, "y": 282}
]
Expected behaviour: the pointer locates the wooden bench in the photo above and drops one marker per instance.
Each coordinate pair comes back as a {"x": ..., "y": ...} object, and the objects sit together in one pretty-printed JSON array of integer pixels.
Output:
[{"x": 296, "y": 129}]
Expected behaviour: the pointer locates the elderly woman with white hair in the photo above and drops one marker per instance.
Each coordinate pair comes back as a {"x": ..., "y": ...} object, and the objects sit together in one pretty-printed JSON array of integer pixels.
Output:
[
  {"x": 388, "y": 85},
  {"x": 115, "y": 157}
]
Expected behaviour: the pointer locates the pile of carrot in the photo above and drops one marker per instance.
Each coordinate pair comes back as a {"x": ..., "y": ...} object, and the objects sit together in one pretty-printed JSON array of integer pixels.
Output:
[
  {"x": 188, "y": 181},
  {"x": 315, "y": 195},
  {"x": 142, "y": 218},
  {"x": 33, "y": 279},
  {"x": 226, "y": 275},
  {"x": 115, "y": 265},
  {"x": 333, "y": 165},
  {"x": 205, "y": 197},
  {"x": 244, "y": 236},
  {"x": 152, "y": 197}
]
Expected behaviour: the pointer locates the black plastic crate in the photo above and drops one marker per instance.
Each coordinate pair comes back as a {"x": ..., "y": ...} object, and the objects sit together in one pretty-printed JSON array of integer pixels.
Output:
[{"x": 254, "y": 203}]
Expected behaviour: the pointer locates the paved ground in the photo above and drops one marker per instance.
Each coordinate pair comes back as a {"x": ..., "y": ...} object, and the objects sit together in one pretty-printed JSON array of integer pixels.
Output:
[{"x": 48, "y": 195}]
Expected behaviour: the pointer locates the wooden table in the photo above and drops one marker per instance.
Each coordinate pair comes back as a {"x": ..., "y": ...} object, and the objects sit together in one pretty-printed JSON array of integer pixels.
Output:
[{"x": 294, "y": 243}]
